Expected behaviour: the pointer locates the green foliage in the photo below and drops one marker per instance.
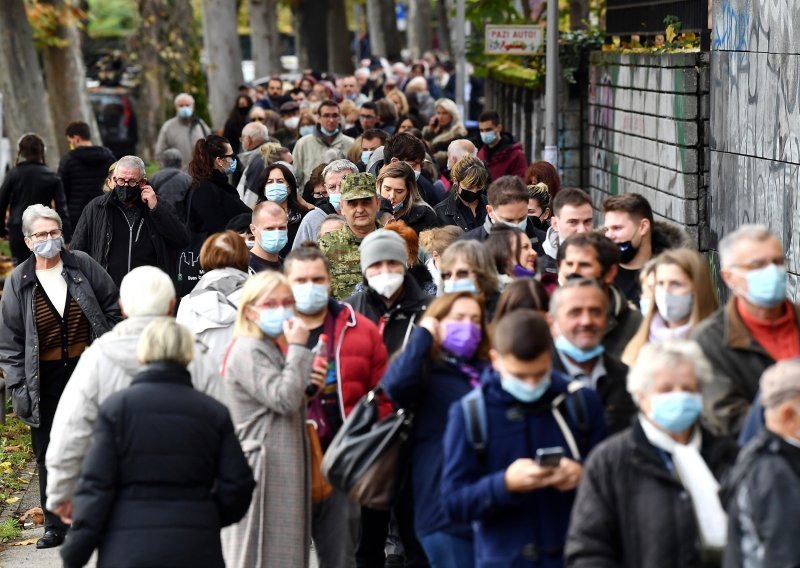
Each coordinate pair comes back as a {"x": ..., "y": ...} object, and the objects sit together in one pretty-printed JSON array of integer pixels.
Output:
[
  {"x": 15, "y": 453},
  {"x": 10, "y": 530},
  {"x": 48, "y": 21},
  {"x": 112, "y": 18},
  {"x": 574, "y": 49}
]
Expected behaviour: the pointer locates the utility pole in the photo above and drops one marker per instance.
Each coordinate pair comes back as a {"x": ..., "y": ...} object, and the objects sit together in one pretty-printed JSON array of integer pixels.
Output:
[
  {"x": 461, "y": 57},
  {"x": 551, "y": 86}
]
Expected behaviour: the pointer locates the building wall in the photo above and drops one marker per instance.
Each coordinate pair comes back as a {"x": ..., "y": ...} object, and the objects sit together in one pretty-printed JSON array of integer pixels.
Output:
[
  {"x": 648, "y": 115},
  {"x": 755, "y": 121}
]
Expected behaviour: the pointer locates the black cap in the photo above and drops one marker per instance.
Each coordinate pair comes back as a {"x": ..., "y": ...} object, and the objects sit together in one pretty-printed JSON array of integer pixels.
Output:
[{"x": 290, "y": 106}]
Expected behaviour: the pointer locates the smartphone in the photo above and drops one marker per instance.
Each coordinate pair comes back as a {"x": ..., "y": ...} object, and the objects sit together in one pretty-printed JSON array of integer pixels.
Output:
[{"x": 549, "y": 457}]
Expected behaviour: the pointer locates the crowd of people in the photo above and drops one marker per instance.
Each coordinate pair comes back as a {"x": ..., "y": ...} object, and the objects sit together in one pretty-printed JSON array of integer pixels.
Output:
[{"x": 181, "y": 346}]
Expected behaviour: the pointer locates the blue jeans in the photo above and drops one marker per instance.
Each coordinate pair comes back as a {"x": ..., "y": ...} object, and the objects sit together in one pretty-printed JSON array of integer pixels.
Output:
[{"x": 445, "y": 550}]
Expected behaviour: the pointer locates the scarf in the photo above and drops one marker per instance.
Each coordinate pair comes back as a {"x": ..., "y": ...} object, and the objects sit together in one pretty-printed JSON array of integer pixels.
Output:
[
  {"x": 551, "y": 243},
  {"x": 660, "y": 332},
  {"x": 697, "y": 479}
]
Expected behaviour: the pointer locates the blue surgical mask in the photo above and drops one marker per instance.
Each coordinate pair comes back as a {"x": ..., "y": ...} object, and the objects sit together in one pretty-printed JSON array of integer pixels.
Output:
[
  {"x": 460, "y": 285},
  {"x": 310, "y": 298},
  {"x": 523, "y": 391},
  {"x": 270, "y": 320},
  {"x": 185, "y": 112},
  {"x": 522, "y": 225},
  {"x": 48, "y": 249},
  {"x": 231, "y": 168},
  {"x": 488, "y": 137},
  {"x": 274, "y": 241},
  {"x": 335, "y": 200},
  {"x": 327, "y": 132},
  {"x": 277, "y": 192},
  {"x": 306, "y": 130},
  {"x": 675, "y": 411},
  {"x": 766, "y": 287},
  {"x": 365, "y": 156},
  {"x": 644, "y": 306},
  {"x": 576, "y": 353}
]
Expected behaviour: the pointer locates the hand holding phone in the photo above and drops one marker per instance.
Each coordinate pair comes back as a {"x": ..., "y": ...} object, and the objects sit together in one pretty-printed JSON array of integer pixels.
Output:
[{"x": 549, "y": 457}]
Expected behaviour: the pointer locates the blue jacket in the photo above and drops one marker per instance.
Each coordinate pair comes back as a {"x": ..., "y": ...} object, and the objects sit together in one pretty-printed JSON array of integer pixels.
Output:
[
  {"x": 512, "y": 529},
  {"x": 430, "y": 398}
]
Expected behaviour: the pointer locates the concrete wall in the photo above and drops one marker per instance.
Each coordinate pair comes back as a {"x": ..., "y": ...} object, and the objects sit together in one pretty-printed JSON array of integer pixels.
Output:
[
  {"x": 755, "y": 121},
  {"x": 648, "y": 115}
]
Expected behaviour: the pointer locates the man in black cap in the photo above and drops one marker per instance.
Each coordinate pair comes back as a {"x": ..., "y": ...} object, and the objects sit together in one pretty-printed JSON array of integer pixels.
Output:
[{"x": 290, "y": 115}]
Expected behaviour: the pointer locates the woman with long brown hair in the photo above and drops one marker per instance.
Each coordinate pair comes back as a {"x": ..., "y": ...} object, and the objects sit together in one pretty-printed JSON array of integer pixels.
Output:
[
  {"x": 442, "y": 361},
  {"x": 396, "y": 183}
]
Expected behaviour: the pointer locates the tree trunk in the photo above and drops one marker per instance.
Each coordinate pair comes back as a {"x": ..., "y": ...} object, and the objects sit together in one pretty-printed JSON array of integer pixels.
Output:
[
  {"x": 21, "y": 81},
  {"x": 65, "y": 74},
  {"x": 382, "y": 24},
  {"x": 578, "y": 14},
  {"x": 340, "y": 56},
  {"x": 221, "y": 45},
  {"x": 264, "y": 38},
  {"x": 419, "y": 27},
  {"x": 311, "y": 29},
  {"x": 443, "y": 30},
  {"x": 151, "y": 92}
]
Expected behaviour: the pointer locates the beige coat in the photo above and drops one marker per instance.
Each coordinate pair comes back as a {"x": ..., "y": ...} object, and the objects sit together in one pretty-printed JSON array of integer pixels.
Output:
[{"x": 267, "y": 402}]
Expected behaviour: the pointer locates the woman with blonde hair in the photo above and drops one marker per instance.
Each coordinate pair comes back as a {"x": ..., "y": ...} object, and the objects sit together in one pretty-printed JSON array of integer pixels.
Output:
[
  {"x": 400, "y": 101},
  {"x": 266, "y": 371},
  {"x": 467, "y": 266},
  {"x": 683, "y": 296},
  {"x": 434, "y": 242},
  {"x": 443, "y": 128},
  {"x": 465, "y": 206},
  {"x": 396, "y": 182}
]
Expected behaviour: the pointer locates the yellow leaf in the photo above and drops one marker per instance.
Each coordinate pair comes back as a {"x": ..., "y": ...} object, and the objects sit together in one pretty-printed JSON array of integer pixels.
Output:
[
  {"x": 615, "y": 40},
  {"x": 12, "y": 499},
  {"x": 670, "y": 33},
  {"x": 25, "y": 542}
]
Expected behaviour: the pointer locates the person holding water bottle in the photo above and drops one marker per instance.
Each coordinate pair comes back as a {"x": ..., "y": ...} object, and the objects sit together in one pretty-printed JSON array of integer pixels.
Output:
[{"x": 349, "y": 361}]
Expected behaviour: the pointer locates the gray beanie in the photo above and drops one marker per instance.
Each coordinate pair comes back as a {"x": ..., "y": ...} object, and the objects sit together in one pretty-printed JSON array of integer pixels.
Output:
[{"x": 382, "y": 245}]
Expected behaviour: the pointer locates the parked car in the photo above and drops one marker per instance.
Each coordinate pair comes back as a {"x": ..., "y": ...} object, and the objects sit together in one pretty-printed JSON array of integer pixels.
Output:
[{"x": 116, "y": 119}]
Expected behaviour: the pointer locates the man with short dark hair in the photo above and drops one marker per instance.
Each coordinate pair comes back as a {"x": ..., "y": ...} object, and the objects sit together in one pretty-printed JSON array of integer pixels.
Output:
[
  {"x": 367, "y": 118},
  {"x": 629, "y": 223},
  {"x": 83, "y": 169},
  {"x": 508, "y": 203},
  {"x": 502, "y": 154},
  {"x": 310, "y": 150},
  {"x": 572, "y": 213},
  {"x": 591, "y": 255},
  {"x": 371, "y": 140}
]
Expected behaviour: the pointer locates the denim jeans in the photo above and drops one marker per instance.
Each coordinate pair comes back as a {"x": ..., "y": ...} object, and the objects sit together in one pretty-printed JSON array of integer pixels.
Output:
[{"x": 445, "y": 550}]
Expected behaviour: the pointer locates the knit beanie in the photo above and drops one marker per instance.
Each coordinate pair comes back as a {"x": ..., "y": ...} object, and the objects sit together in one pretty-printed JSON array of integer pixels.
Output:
[{"x": 382, "y": 245}]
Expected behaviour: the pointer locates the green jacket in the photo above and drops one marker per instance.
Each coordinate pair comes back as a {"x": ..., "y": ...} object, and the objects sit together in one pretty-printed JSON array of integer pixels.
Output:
[{"x": 341, "y": 248}]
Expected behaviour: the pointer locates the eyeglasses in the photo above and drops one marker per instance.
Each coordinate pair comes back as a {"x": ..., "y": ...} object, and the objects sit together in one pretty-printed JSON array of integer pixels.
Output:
[
  {"x": 458, "y": 274},
  {"x": 44, "y": 235},
  {"x": 757, "y": 264},
  {"x": 258, "y": 119},
  {"x": 272, "y": 304},
  {"x": 129, "y": 182},
  {"x": 227, "y": 157}
]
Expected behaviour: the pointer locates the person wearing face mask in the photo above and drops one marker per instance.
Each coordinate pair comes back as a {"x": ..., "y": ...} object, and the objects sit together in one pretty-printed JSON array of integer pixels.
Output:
[
  {"x": 628, "y": 221},
  {"x": 310, "y": 149},
  {"x": 356, "y": 361},
  {"x": 512, "y": 253},
  {"x": 578, "y": 318},
  {"x": 183, "y": 130},
  {"x": 466, "y": 204},
  {"x": 649, "y": 496},
  {"x": 236, "y": 121},
  {"x": 519, "y": 505},
  {"x": 507, "y": 202},
  {"x": 266, "y": 372},
  {"x": 54, "y": 305},
  {"x": 290, "y": 117},
  {"x": 269, "y": 226},
  {"x": 502, "y": 154},
  {"x": 396, "y": 183},
  {"x": 761, "y": 494},
  {"x": 442, "y": 362},
  {"x": 757, "y": 327},
  {"x": 254, "y": 135},
  {"x": 467, "y": 266},
  {"x": 130, "y": 226},
  {"x": 280, "y": 187},
  {"x": 433, "y": 243},
  {"x": 683, "y": 296}
]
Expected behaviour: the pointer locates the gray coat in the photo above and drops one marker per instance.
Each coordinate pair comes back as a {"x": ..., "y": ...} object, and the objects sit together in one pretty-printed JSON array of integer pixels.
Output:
[
  {"x": 266, "y": 397},
  {"x": 91, "y": 288}
]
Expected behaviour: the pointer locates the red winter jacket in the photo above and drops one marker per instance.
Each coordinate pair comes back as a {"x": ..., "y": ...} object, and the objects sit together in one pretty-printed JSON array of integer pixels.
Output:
[
  {"x": 361, "y": 357},
  {"x": 508, "y": 160}
]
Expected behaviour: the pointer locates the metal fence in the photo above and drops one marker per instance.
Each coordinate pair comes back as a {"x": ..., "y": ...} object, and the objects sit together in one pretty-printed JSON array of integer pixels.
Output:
[{"x": 627, "y": 17}]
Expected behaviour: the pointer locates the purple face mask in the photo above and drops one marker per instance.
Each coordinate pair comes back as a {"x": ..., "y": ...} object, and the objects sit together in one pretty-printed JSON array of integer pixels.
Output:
[
  {"x": 461, "y": 338},
  {"x": 521, "y": 271}
]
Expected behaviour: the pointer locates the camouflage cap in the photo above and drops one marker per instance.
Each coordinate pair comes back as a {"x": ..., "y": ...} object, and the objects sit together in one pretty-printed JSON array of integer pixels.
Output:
[{"x": 358, "y": 186}]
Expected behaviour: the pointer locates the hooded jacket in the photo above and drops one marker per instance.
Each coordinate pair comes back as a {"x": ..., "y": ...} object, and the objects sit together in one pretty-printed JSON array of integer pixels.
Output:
[
  {"x": 27, "y": 184},
  {"x": 209, "y": 310},
  {"x": 87, "y": 284},
  {"x": 106, "y": 367},
  {"x": 505, "y": 159},
  {"x": 83, "y": 172}
]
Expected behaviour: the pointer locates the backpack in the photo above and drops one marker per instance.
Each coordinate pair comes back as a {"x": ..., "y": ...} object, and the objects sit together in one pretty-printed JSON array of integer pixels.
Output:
[{"x": 477, "y": 425}]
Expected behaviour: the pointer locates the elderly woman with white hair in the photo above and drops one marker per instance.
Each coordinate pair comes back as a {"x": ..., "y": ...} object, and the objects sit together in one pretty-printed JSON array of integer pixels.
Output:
[
  {"x": 54, "y": 305},
  {"x": 443, "y": 128},
  {"x": 648, "y": 496}
]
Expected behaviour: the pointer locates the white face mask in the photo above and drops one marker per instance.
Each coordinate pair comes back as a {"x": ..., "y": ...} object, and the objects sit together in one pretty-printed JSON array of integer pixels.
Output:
[
  {"x": 386, "y": 284},
  {"x": 673, "y": 307},
  {"x": 292, "y": 122}
]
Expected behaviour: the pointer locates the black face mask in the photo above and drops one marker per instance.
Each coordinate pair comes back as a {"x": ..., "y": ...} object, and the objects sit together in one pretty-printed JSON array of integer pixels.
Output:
[
  {"x": 538, "y": 223},
  {"x": 627, "y": 252},
  {"x": 469, "y": 196},
  {"x": 126, "y": 194},
  {"x": 243, "y": 111}
]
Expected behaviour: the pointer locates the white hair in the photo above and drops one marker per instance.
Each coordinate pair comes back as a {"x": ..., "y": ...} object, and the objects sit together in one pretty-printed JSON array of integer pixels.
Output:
[
  {"x": 146, "y": 291},
  {"x": 460, "y": 148},
  {"x": 417, "y": 85},
  {"x": 257, "y": 131},
  {"x": 667, "y": 355},
  {"x": 748, "y": 232},
  {"x": 164, "y": 339},
  {"x": 132, "y": 162},
  {"x": 179, "y": 95},
  {"x": 35, "y": 212},
  {"x": 338, "y": 166},
  {"x": 361, "y": 72}
]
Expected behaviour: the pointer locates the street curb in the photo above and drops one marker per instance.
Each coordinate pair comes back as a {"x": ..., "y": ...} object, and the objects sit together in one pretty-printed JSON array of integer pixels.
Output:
[{"x": 16, "y": 509}]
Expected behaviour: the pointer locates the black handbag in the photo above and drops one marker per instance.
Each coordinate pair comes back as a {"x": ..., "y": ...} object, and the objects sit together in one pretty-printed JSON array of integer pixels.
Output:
[
  {"x": 367, "y": 456},
  {"x": 188, "y": 271}
]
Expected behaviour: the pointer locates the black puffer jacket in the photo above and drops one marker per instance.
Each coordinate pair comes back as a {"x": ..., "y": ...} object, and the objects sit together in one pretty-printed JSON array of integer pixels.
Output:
[
  {"x": 27, "y": 184},
  {"x": 165, "y": 472},
  {"x": 632, "y": 512},
  {"x": 83, "y": 171},
  {"x": 212, "y": 204},
  {"x": 421, "y": 218}
]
